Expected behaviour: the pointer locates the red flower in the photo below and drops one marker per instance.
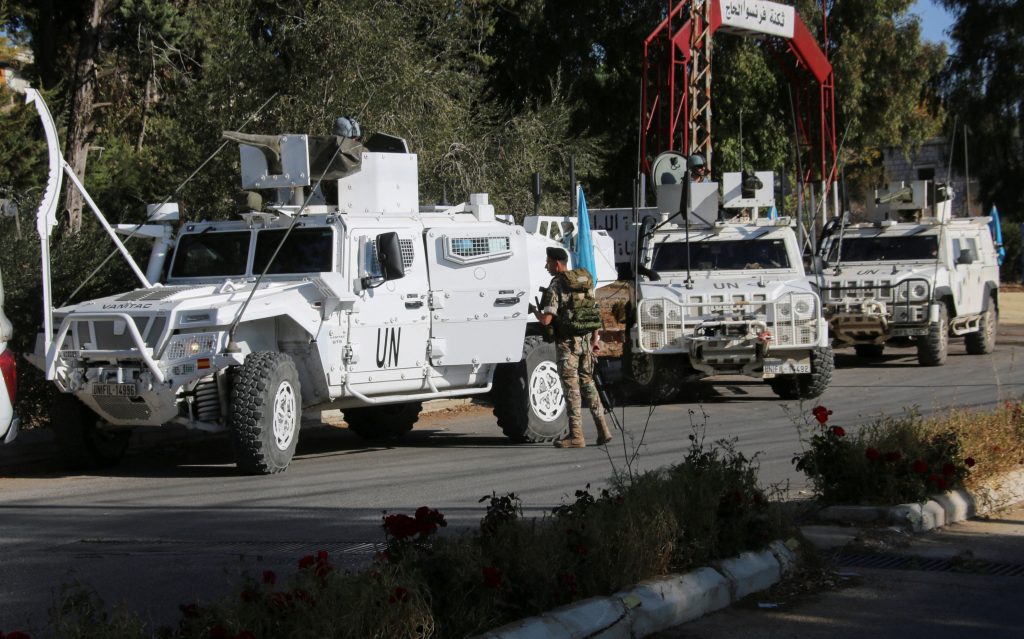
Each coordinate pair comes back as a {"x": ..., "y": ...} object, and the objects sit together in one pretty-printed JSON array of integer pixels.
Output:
[
  {"x": 401, "y": 526},
  {"x": 838, "y": 431},
  {"x": 970, "y": 462},
  {"x": 399, "y": 594},
  {"x": 322, "y": 556},
  {"x": 894, "y": 456},
  {"x": 218, "y": 632},
  {"x": 920, "y": 467},
  {"x": 15, "y": 634},
  {"x": 307, "y": 561},
  {"x": 269, "y": 578},
  {"x": 492, "y": 577},
  {"x": 821, "y": 414},
  {"x": 188, "y": 611},
  {"x": 948, "y": 469},
  {"x": 937, "y": 480},
  {"x": 873, "y": 454}
]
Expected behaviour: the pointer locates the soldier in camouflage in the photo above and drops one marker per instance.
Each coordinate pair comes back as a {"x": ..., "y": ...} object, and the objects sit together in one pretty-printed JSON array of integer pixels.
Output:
[{"x": 575, "y": 355}]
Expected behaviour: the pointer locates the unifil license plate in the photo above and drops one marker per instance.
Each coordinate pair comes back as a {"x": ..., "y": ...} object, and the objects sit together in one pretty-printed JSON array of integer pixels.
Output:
[
  {"x": 115, "y": 390},
  {"x": 786, "y": 367}
]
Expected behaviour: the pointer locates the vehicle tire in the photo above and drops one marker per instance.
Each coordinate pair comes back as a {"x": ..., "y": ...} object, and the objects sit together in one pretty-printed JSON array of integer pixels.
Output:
[
  {"x": 984, "y": 341},
  {"x": 869, "y": 351},
  {"x": 806, "y": 385},
  {"x": 266, "y": 412},
  {"x": 82, "y": 442},
  {"x": 657, "y": 379},
  {"x": 389, "y": 421},
  {"x": 527, "y": 395},
  {"x": 933, "y": 347}
]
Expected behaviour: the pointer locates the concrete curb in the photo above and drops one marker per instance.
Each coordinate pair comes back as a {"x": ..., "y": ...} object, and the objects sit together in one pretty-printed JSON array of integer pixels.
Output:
[
  {"x": 658, "y": 604},
  {"x": 942, "y": 509}
]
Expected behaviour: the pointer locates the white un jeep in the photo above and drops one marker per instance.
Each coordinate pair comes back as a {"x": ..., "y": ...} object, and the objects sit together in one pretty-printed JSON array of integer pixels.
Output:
[
  {"x": 723, "y": 291},
  {"x": 347, "y": 296},
  {"x": 915, "y": 274}
]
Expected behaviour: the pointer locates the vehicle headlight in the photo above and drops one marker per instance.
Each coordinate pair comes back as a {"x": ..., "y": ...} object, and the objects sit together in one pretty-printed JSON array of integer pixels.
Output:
[
  {"x": 784, "y": 310},
  {"x": 918, "y": 292},
  {"x": 803, "y": 307},
  {"x": 673, "y": 314},
  {"x": 655, "y": 310},
  {"x": 191, "y": 345}
]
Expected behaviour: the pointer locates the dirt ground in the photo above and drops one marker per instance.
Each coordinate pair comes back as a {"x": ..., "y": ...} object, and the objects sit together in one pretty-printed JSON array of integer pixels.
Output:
[{"x": 1011, "y": 306}]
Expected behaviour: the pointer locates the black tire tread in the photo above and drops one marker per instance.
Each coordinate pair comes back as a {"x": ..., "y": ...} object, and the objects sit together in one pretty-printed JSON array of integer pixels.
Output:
[
  {"x": 807, "y": 385},
  {"x": 929, "y": 347},
  {"x": 247, "y": 410},
  {"x": 511, "y": 401},
  {"x": 983, "y": 342}
]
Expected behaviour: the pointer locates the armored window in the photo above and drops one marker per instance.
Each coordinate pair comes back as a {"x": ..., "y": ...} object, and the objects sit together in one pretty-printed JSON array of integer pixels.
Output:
[
  {"x": 211, "y": 254},
  {"x": 305, "y": 251},
  {"x": 721, "y": 255},
  {"x": 878, "y": 249},
  {"x": 466, "y": 250}
]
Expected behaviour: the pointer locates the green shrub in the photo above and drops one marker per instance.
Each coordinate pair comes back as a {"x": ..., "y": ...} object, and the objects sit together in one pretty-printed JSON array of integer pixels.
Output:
[{"x": 904, "y": 459}]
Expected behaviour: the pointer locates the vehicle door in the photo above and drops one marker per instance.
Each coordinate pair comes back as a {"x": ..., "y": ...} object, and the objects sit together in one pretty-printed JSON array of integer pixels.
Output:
[
  {"x": 479, "y": 281},
  {"x": 389, "y": 325},
  {"x": 968, "y": 264}
]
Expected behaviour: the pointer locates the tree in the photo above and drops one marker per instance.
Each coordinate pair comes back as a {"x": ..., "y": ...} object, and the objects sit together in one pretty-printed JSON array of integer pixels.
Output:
[{"x": 983, "y": 84}]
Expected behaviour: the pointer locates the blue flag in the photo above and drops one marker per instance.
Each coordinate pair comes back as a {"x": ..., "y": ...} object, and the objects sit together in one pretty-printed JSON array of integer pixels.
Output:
[
  {"x": 997, "y": 233},
  {"x": 583, "y": 256}
]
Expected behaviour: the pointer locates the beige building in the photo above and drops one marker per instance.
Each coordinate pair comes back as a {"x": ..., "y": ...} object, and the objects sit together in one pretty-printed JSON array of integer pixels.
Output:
[{"x": 932, "y": 162}]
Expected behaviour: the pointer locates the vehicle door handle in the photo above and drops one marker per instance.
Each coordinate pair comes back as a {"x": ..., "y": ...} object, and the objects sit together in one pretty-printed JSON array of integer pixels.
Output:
[
  {"x": 413, "y": 303},
  {"x": 506, "y": 301}
]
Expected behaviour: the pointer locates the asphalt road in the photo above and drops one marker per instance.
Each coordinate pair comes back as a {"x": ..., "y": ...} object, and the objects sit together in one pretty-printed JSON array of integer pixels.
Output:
[{"x": 175, "y": 522}]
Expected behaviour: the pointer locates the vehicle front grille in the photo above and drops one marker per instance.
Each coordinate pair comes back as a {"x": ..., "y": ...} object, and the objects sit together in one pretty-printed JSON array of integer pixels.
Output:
[
  {"x": 112, "y": 334},
  {"x": 664, "y": 323}
]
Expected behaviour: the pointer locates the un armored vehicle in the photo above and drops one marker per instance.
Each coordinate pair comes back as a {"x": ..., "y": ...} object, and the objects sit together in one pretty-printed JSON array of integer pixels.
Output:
[
  {"x": 342, "y": 292},
  {"x": 914, "y": 275},
  {"x": 722, "y": 290}
]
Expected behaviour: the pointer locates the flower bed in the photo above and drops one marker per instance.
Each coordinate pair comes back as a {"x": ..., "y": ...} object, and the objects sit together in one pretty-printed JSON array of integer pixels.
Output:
[{"x": 904, "y": 459}]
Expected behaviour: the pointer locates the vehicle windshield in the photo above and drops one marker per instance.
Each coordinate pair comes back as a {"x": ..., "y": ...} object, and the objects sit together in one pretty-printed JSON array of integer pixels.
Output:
[
  {"x": 721, "y": 255},
  {"x": 305, "y": 251},
  {"x": 211, "y": 254},
  {"x": 878, "y": 249}
]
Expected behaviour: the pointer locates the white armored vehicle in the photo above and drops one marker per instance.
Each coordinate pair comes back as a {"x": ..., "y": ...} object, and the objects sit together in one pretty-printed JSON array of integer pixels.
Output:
[
  {"x": 723, "y": 290},
  {"x": 342, "y": 293},
  {"x": 913, "y": 274}
]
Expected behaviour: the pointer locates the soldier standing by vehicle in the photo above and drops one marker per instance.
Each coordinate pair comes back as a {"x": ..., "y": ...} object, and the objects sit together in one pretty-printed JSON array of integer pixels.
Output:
[{"x": 568, "y": 306}]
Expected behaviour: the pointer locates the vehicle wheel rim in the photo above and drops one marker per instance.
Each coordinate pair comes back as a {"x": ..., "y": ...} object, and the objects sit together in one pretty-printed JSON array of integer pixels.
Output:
[
  {"x": 285, "y": 416},
  {"x": 546, "y": 396}
]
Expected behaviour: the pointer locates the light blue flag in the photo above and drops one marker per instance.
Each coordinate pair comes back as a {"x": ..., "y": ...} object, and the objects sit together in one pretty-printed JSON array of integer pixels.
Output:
[
  {"x": 773, "y": 214},
  {"x": 997, "y": 233},
  {"x": 584, "y": 253}
]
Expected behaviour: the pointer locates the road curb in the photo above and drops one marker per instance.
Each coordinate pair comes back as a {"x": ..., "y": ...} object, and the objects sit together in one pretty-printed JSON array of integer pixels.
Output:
[
  {"x": 658, "y": 604},
  {"x": 940, "y": 510}
]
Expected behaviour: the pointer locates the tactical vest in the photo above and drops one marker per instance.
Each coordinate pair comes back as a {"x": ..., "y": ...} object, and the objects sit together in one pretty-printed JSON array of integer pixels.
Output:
[{"x": 578, "y": 314}]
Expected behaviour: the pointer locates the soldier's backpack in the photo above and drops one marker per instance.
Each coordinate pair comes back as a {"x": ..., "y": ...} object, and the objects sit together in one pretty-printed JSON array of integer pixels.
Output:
[{"x": 581, "y": 315}]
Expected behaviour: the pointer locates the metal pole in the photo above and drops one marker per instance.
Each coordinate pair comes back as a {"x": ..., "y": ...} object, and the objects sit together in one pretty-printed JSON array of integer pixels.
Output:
[{"x": 967, "y": 178}]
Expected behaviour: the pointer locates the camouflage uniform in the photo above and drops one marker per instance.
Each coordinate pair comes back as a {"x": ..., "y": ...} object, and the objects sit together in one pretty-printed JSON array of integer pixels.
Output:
[{"x": 575, "y": 367}]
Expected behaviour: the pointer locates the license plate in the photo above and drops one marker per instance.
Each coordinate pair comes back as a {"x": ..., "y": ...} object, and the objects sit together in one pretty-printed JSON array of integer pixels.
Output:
[
  {"x": 907, "y": 332},
  {"x": 788, "y": 367},
  {"x": 69, "y": 354},
  {"x": 115, "y": 390}
]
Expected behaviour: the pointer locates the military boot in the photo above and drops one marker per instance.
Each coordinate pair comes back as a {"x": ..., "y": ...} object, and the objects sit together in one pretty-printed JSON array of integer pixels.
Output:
[
  {"x": 573, "y": 440},
  {"x": 603, "y": 434}
]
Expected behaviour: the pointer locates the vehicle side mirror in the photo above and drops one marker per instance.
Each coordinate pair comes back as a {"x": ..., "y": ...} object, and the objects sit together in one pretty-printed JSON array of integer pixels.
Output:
[
  {"x": 389, "y": 256},
  {"x": 966, "y": 256}
]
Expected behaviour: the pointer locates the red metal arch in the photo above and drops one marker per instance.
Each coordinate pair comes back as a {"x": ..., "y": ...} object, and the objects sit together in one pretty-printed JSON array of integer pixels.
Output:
[{"x": 666, "y": 72}]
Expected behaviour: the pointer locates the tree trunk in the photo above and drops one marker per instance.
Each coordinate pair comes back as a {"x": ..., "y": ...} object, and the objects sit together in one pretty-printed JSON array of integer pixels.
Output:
[{"x": 80, "y": 121}]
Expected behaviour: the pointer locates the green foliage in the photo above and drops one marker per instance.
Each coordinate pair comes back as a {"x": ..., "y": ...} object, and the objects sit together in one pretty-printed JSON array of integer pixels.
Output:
[
  {"x": 982, "y": 88},
  {"x": 1011, "y": 270}
]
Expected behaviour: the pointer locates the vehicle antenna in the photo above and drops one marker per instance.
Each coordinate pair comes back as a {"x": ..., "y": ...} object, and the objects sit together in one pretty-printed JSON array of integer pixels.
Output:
[
  {"x": 232, "y": 347},
  {"x": 165, "y": 201}
]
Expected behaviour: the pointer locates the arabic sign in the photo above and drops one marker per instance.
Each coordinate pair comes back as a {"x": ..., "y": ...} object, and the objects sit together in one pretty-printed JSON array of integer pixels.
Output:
[{"x": 758, "y": 16}]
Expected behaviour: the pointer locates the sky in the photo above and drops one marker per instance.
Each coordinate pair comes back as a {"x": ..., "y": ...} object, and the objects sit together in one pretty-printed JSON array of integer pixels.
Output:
[{"x": 934, "y": 20}]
